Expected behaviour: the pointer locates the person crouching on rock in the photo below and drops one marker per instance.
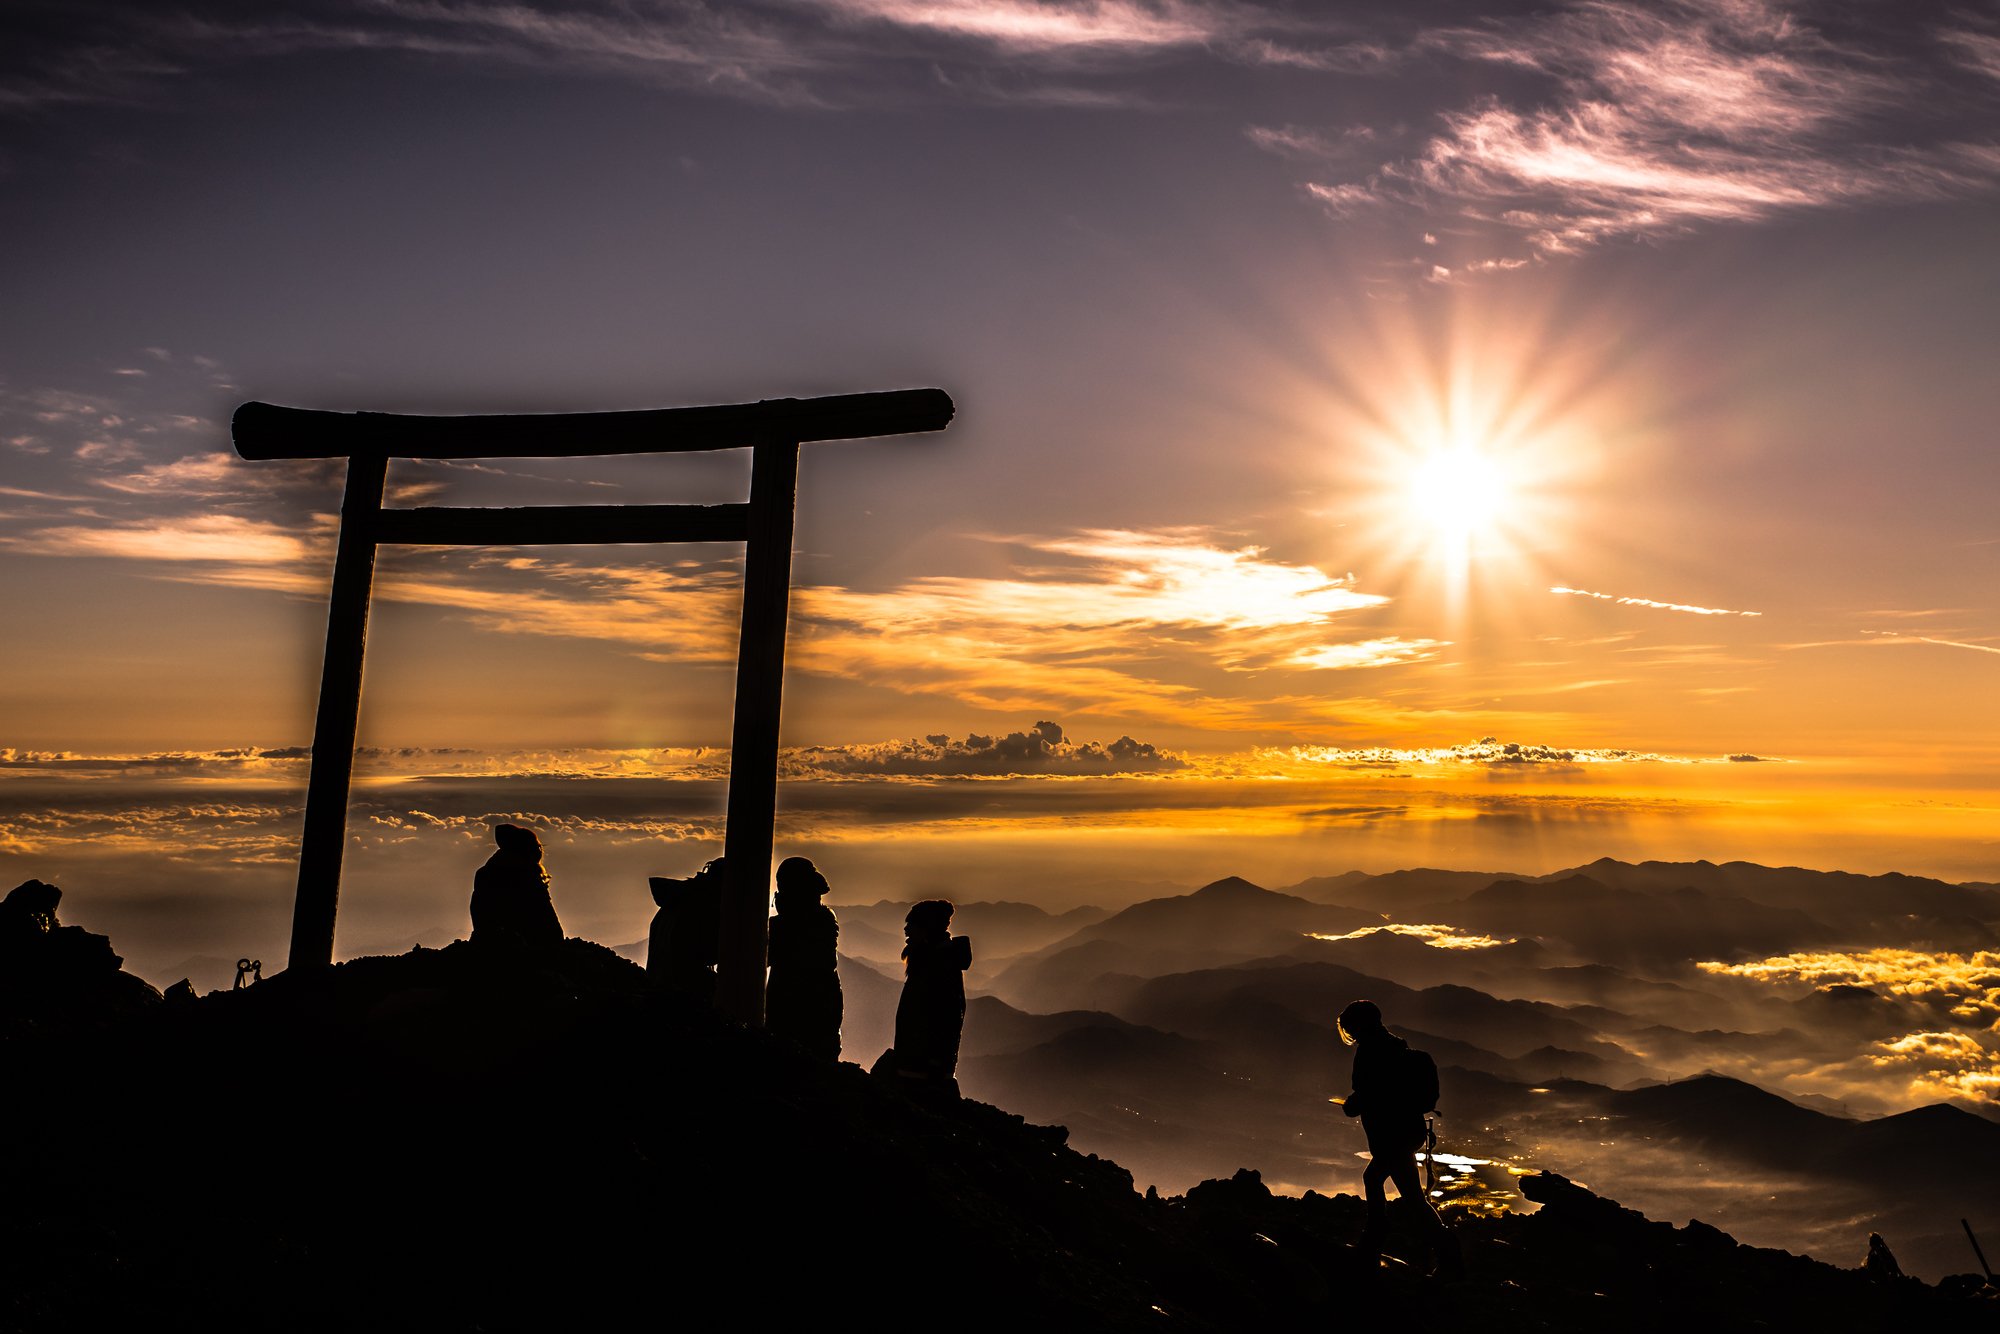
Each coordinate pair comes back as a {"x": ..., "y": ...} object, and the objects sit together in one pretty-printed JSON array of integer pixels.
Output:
[
  {"x": 930, "y": 1017},
  {"x": 802, "y": 1001},
  {"x": 511, "y": 909},
  {"x": 1394, "y": 1088}
]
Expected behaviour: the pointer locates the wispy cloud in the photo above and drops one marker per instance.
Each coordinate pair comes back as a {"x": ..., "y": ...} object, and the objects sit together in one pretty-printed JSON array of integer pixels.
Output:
[
  {"x": 1649, "y": 119},
  {"x": 1887, "y": 637},
  {"x": 1381, "y": 652},
  {"x": 1104, "y": 628},
  {"x": 1028, "y": 25},
  {"x": 220, "y": 538},
  {"x": 1976, "y": 50},
  {"x": 1115, "y": 622},
  {"x": 796, "y": 53},
  {"x": 1650, "y": 602},
  {"x": 1296, "y": 141},
  {"x": 1598, "y": 119}
]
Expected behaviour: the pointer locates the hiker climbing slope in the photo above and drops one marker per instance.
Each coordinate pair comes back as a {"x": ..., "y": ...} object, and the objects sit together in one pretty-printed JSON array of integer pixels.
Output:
[{"x": 1394, "y": 1087}]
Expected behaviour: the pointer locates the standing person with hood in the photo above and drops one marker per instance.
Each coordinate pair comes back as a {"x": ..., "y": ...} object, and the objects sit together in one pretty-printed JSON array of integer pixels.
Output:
[
  {"x": 511, "y": 908},
  {"x": 1394, "y": 1088},
  {"x": 802, "y": 1001},
  {"x": 930, "y": 1017}
]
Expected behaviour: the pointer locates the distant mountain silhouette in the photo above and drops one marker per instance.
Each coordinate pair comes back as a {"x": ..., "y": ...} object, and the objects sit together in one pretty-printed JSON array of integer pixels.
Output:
[
  {"x": 1190, "y": 1002},
  {"x": 1880, "y": 909},
  {"x": 998, "y": 929},
  {"x": 1927, "y": 1144},
  {"x": 1414, "y": 962},
  {"x": 1096, "y": 975},
  {"x": 1224, "y": 922},
  {"x": 1398, "y": 894},
  {"x": 864, "y": 940},
  {"x": 868, "y": 1022},
  {"x": 1856, "y": 1012},
  {"x": 1892, "y": 909},
  {"x": 1613, "y": 994},
  {"x": 993, "y": 1027},
  {"x": 1600, "y": 923}
]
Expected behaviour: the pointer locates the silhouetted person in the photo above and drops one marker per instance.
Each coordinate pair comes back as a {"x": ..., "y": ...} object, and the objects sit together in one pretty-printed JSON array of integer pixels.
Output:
[
  {"x": 802, "y": 1001},
  {"x": 33, "y": 942},
  {"x": 511, "y": 909},
  {"x": 27, "y": 918},
  {"x": 930, "y": 1017},
  {"x": 59, "y": 971},
  {"x": 1394, "y": 1087},
  {"x": 684, "y": 943},
  {"x": 1881, "y": 1262}
]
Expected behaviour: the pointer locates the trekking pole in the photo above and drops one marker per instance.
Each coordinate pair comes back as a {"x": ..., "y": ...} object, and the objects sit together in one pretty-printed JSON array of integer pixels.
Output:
[
  {"x": 1966, "y": 1223},
  {"x": 1431, "y": 1157}
]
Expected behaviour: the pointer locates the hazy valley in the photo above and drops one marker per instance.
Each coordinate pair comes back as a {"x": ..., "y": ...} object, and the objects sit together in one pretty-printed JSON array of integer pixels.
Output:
[{"x": 1799, "y": 1057}]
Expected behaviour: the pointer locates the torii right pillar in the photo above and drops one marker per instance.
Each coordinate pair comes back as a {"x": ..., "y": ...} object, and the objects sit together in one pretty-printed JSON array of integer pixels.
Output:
[{"x": 753, "y": 743}]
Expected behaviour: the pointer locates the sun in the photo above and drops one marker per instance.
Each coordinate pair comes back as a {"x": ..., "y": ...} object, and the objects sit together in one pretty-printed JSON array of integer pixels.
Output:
[
  {"x": 1467, "y": 507},
  {"x": 1457, "y": 493}
]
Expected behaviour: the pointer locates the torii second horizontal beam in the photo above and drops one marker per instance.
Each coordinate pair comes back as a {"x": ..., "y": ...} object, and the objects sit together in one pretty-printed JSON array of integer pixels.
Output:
[
  {"x": 562, "y": 525},
  {"x": 267, "y": 431}
]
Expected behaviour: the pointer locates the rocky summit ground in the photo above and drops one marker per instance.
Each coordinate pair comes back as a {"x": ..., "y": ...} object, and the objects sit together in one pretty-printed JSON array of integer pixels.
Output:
[{"x": 429, "y": 1141}]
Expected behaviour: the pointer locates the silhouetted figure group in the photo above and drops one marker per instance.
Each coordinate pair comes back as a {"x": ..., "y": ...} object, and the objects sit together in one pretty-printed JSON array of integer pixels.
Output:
[
  {"x": 512, "y": 913},
  {"x": 514, "y": 918},
  {"x": 1394, "y": 1088},
  {"x": 802, "y": 1001}
]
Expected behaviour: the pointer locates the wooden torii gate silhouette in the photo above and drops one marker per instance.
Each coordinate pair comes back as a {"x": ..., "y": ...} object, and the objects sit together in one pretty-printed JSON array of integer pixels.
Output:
[{"x": 772, "y": 430}]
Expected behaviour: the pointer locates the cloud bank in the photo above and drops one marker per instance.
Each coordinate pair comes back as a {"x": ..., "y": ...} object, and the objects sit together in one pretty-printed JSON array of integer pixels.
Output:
[{"x": 1042, "y": 749}]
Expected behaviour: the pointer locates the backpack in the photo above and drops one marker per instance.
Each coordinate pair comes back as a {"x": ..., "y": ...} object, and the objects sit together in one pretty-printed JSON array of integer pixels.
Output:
[
  {"x": 1417, "y": 1081},
  {"x": 688, "y": 925}
]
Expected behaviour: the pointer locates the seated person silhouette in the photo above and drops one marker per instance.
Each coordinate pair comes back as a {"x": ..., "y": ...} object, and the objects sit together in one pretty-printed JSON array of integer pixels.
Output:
[
  {"x": 802, "y": 1001},
  {"x": 930, "y": 1017},
  {"x": 52, "y": 971},
  {"x": 685, "y": 941},
  {"x": 1395, "y": 1087},
  {"x": 511, "y": 909},
  {"x": 1881, "y": 1262}
]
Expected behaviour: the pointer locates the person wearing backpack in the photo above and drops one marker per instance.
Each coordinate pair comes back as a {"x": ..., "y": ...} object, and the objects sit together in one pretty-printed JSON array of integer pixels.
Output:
[
  {"x": 681, "y": 948},
  {"x": 1395, "y": 1086}
]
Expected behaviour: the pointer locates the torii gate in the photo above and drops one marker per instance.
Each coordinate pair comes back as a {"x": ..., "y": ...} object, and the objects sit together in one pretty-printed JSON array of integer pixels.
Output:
[{"x": 772, "y": 430}]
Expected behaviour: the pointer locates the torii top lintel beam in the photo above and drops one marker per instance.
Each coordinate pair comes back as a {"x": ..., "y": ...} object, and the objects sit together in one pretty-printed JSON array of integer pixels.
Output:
[{"x": 267, "y": 431}]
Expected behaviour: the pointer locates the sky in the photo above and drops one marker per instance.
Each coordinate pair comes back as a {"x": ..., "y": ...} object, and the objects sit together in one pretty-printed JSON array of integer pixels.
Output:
[{"x": 1480, "y": 435}]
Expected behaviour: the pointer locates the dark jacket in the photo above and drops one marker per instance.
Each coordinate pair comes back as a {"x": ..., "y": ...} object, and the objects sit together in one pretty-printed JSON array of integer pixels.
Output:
[
  {"x": 930, "y": 1017},
  {"x": 802, "y": 1000},
  {"x": 511, "y": 908},
  {"x": 1393, "y": 1088}
]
